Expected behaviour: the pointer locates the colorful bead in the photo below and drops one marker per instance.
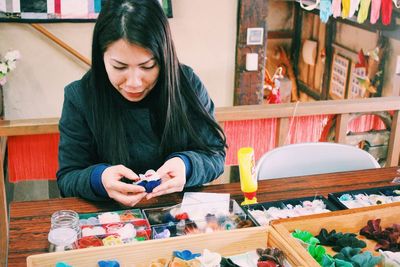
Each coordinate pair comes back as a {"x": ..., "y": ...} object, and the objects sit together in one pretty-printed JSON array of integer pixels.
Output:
[
  {"x": 112, "y": 240},
  {"x": 89, "y": 241},
  {"x": 127, "y": 216}
]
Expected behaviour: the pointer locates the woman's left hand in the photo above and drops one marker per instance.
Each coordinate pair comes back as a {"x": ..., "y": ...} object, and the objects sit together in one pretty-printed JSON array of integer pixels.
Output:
[{"x": 173, "y": 178}]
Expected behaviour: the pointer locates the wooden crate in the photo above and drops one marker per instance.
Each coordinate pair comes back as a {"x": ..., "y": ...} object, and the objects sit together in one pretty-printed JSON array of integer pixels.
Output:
[
  {"x": 226, "y": 243},
  {"x": 351, "y": 220}
]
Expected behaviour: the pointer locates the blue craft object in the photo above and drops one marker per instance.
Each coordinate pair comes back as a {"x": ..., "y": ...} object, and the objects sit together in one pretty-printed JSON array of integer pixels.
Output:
[
  {"x": 345, "y": 197},
  {"x": 186, "y": 255},
  {"x": 325, "y": 10},
  {"x": 150, "y": 185},
  {"x": 108, "y": 263},
  {"x": 62, "y": 264}
]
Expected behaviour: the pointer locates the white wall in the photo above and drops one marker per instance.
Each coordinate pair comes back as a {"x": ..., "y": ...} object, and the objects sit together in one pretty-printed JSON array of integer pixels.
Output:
[{"x": 204, "y": 32}]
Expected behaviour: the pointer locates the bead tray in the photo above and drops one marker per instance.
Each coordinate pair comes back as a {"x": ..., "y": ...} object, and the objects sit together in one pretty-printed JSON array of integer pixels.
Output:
[
  {"x": 166, "y": 222},
  {"x": 140, "y": 254},
  {"x": 385, "y": 191},
  {"x": 283, "y": 204}
]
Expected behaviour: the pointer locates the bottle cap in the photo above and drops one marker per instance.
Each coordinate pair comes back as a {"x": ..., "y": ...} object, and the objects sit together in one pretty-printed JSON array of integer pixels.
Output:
[
  {"x": 249, "y": 201},
  {"x": 250, "y": 195},
  {"x": 249, "y": 198}
]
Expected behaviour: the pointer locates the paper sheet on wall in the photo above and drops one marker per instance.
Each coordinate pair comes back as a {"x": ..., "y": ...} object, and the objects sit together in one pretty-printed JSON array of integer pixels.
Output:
[
  {"x": 74, "y": 8},
  {"x": 197, "y": 204},
  {"x": 3, "y": 6}
]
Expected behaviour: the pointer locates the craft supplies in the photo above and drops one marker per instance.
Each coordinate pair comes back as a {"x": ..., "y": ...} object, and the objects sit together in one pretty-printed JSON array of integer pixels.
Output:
[
  {"x": 263, "y": 213},
  {"x": 348, "y": 246},
  {"x": 113, "y": 227},
  {"x": 108, "y": 264},
  {"x": 348, "y": 8},
  {"x": 390, "y": 259},
  {"x": 387, "y": 238},
  {"x": 180, "y": 227},
  {"x": 171, "y": 221},
  {"x": 344, "y": 225},
  {"x": 366, "y": 197},
  {"x": 149, "y": 180},
  {"x": 248, "y": 179},
  {"x": 64, "y": 231}
]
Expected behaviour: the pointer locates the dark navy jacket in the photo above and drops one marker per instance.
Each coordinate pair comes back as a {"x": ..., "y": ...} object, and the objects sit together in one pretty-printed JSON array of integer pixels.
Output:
[{"x": 80, "y": 167}]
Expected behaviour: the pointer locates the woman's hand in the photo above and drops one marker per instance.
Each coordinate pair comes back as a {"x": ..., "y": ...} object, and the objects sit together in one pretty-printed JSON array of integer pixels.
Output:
[
  {"x": 126, "y": 194},
  {"x": 173, "y": 178}
]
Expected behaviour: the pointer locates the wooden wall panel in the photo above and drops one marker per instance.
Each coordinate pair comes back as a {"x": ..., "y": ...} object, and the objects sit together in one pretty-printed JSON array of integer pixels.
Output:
[{"x": 249, "y": 85}]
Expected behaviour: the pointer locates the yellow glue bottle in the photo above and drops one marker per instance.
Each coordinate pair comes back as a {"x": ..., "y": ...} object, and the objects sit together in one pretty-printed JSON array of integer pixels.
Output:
[{"x": 248, "y": 179}]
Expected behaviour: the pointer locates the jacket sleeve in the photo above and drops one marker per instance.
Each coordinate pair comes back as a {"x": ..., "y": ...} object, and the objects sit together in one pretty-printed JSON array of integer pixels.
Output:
[
  {"x": 76, "y": 153},
  {"x": 206, "y": 167}
]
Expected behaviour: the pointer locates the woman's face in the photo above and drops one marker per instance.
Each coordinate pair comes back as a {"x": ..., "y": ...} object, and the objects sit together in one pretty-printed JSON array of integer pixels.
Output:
[{"x": 131, "y": 69}]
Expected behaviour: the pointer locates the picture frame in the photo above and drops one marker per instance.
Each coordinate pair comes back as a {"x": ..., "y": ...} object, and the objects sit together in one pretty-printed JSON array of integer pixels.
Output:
[
  {"x": 339, "y": 77},
  {"x": 42, "y": 11},
  {"x": 355, "y": 90},
  {"x": 255, "y": 36}
]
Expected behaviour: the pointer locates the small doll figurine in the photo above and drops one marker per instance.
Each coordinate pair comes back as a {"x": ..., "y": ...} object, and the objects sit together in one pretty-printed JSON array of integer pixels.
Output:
[
  {"x": 368, "y": 68},
  {"x": 149, "y": 180},
  {"x": 273, "y": 85}
]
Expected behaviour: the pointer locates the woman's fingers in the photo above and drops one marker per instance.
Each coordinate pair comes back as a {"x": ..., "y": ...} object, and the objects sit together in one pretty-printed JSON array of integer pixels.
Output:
[
  {"x": 127, "y": 173},
  {"x": 126, "y": 188},
  {"x": 128, "y": 200},
  {"x": 167, "y": 187}
]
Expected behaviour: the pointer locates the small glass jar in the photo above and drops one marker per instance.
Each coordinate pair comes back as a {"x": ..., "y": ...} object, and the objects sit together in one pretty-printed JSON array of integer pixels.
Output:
[{"x": 64, "y": 231}]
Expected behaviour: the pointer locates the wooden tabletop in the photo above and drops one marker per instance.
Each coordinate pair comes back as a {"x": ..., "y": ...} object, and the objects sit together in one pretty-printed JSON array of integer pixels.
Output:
[{"x": 30, "y": 221}]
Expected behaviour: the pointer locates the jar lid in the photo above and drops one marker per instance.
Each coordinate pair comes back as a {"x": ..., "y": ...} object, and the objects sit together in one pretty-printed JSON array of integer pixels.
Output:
[{"x": 62, "y": 236}]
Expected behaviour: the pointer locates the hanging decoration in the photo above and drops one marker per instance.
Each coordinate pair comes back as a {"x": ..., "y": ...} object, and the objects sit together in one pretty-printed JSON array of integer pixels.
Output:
[
  {"x": 272, "y": 86},
  {"x": 349, "y": 8},
  {"x": 370, "y": 64},
  {"x": 363, "y": 11},
  {"x": 375, "y": 11}
]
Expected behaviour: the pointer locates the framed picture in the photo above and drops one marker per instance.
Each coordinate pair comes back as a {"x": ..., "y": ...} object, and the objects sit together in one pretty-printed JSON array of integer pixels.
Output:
[
  {"x": 339, "y": 76},
  {"x": 355, "y": 90},
  {"x": 255, "y": 36},
  {"x": 32, "y": 11}
]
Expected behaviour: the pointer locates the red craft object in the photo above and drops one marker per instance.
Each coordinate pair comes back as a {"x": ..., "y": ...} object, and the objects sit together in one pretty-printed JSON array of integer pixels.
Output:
[
  {"x": 268, "y": 263},
  {"x": 362, "y": 61},
  {"x": 274, "y": 98},
  {"x": 182, "y": 216},
  {"x": 89, "y": 241}
]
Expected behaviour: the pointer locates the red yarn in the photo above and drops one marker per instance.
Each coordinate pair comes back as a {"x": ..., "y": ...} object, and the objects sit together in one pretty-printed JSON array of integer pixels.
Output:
[
  {"x": 386, "y": 11},
  {"x": 33, "y": 157}
]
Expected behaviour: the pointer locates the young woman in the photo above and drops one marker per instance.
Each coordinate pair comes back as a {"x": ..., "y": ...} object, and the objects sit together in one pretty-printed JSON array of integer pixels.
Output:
[{"x": 137, "y": 108}]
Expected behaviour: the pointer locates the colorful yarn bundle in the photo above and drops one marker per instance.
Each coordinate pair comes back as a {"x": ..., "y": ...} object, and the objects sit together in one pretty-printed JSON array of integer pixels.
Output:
[{"x": 348, "y": 8}]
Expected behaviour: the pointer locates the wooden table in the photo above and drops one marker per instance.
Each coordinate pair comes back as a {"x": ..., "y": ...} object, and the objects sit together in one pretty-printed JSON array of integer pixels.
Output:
[{"x": 30, "y": 221}]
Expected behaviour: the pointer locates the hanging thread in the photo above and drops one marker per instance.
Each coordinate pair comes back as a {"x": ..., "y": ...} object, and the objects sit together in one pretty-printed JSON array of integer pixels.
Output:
[{"x": 291, "y": 122}]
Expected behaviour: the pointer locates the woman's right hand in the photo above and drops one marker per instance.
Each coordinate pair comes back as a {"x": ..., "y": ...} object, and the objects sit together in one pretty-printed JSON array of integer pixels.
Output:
[{"x": 126, "y": 194}]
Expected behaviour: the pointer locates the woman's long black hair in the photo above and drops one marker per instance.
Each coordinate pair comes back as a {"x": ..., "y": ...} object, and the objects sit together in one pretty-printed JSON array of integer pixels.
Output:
[{"x": 143, "y": 22}]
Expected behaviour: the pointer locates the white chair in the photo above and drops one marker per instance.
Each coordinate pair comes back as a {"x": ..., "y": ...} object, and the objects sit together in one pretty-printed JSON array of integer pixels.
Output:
[{"x": 312, "y": 158}]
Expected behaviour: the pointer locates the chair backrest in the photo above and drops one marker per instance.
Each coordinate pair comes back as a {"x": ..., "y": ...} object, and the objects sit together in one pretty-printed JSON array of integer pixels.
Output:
[{"x": 312, "y": 158}]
